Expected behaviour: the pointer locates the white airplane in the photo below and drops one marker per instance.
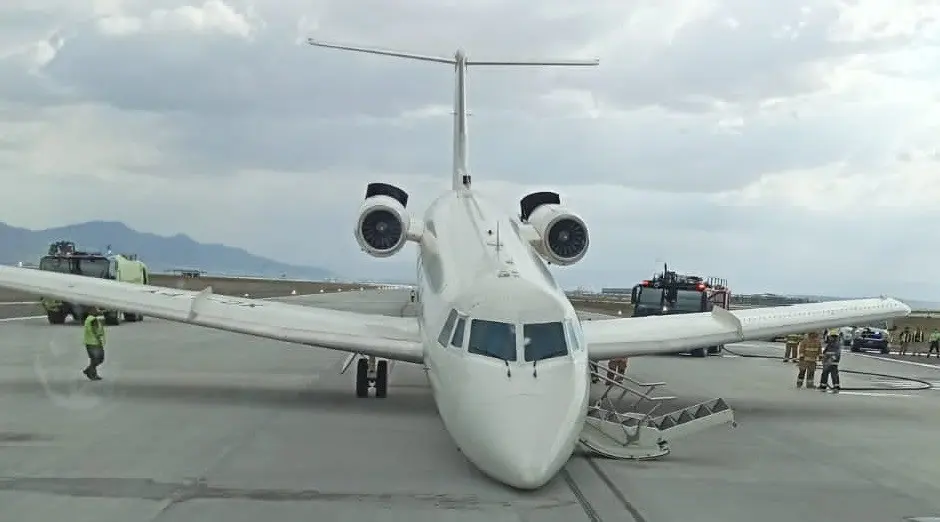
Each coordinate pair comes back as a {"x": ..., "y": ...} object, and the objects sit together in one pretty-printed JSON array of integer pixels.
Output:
[{"x": 505, "y": 354}]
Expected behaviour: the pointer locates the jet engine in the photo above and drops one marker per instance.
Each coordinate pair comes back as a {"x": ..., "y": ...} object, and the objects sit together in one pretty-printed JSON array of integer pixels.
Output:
[
  {"x": 561, "y": 235},
  {"x": 383, "y": 225}
]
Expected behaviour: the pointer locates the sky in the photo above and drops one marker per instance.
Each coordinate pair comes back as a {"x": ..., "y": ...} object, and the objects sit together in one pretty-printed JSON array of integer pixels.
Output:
[{"x": 787, "y": 147}]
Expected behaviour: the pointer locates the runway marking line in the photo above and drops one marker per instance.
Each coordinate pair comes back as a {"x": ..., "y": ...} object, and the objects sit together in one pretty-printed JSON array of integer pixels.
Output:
[
  {"x": 877, "y": 394},
  {"x": 9, "y": 319},
  {"x": 900, "y": 361}
]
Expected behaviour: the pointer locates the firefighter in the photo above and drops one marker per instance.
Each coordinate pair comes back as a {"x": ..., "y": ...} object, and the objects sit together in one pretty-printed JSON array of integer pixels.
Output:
[
  {"x": 831, "y": 356},
  {"x": 809, "y": 350},
  {"x": 94, "y": 338},
  {"x": 616, "y": 368},
  {"x": 793, "y": 341},
  {"x": 906, "y": 337}
]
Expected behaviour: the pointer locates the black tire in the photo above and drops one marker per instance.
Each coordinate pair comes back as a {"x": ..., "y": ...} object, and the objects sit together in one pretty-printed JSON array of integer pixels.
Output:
[
  {"x": 362, "y": 378},
  {"x": 885, "y": 350},
  {"x": 715, "y": 350},
  {"x": 699, "y": 352},
  {"x": 57, "y": 317},
  {"x": 112, "y": 319},
  {"x": 381, "y": 380}
]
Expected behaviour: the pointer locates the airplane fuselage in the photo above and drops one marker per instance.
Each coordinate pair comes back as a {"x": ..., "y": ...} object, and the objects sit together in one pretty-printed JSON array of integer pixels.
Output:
[{"x": 503, "y": 346}]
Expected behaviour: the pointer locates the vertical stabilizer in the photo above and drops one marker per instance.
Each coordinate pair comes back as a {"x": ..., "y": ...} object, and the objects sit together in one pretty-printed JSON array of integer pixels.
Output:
[{"x": 461, "y": 166}]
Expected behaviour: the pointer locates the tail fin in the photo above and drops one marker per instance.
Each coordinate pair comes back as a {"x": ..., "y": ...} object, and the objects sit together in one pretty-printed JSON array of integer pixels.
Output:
[{"x": 461, "y": 168}]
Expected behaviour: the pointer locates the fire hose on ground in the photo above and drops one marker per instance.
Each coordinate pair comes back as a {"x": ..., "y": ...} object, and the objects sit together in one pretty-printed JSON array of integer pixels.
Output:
[{"x": 922, "y": 384}]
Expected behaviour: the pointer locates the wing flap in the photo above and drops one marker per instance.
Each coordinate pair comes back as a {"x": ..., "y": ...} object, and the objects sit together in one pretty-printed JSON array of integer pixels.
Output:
[
  {"x": 382, "y": 336},
  {"x": 607, "y": 339}
]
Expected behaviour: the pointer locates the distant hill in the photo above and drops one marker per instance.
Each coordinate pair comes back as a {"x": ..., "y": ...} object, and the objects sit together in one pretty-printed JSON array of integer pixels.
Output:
[{"x": 161, "y": 253}]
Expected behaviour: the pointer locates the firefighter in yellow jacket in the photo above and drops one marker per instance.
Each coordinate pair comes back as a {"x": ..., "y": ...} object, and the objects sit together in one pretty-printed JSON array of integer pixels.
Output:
[
  {"x": 793, "y": 341},
  {"x": 809, "y": 350}
]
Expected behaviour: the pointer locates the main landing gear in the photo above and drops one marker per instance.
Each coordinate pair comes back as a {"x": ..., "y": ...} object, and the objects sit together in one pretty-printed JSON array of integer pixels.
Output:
[{"x": 371, "y": 373}]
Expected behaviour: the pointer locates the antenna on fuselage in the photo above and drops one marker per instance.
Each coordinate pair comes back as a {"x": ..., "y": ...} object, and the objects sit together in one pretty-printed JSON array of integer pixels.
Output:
[{"x": 461, "y": 168}]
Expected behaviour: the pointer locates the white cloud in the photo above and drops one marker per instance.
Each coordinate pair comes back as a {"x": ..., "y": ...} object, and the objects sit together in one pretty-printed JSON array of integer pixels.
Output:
[{"x": 786, "y": 147}]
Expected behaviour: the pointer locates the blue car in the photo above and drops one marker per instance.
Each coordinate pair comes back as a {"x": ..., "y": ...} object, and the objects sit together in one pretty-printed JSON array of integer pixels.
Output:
[{"x": 870, "y": 339}]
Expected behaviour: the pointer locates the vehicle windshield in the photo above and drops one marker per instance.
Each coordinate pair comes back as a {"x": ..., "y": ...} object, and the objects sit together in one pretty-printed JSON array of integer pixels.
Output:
[
  {"x": 688, "y": 301},
  {"x": 493, "y": 339},
  {"x": 54, "y": 264},
  {"x": 544, "y": 341},
  {"x": 650, "y": 297},
  {"x": 94, "y": 267}
]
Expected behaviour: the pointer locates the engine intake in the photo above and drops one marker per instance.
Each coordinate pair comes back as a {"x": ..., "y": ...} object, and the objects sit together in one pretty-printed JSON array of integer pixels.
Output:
[
  {"x": 563, "y": 235},
  {"x": 383, "y": 225}
]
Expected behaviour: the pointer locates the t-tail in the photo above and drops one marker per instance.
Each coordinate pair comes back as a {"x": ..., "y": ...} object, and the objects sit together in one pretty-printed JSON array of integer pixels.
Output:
[{"x": 461, "y": 168}]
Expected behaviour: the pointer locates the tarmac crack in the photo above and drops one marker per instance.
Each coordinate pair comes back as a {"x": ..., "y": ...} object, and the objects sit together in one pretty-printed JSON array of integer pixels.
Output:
[{"x": 179, "y": 492}]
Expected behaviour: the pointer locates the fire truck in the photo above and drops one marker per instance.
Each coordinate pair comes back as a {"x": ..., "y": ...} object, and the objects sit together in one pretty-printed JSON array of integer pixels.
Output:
[{"x": 672, "y": 293}]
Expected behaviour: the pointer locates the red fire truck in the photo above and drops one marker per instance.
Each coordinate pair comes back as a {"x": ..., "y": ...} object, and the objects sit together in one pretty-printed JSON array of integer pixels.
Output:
[{"x": 671, "y": 293}]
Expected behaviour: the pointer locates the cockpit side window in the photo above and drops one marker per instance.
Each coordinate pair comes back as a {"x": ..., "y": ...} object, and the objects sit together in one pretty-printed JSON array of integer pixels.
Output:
[
  {"x": 457, "y": 339},
  {"x": 544, "y": 341},
  {"x": 572, "y": 336},
  {"x": 448, "y": 328},
  {"x": 493, "y": 339}
]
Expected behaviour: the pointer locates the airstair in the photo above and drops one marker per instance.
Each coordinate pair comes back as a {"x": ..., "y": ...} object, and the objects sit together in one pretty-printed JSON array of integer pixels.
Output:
[{"x": 635, "y": 432}]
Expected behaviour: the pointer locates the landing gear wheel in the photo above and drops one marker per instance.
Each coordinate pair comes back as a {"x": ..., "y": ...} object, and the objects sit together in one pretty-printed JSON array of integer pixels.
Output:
[
  {"x": 112, "y": 319},
  {"x": 381, "y": 379},
  {"x": 56, "y": 317},
  {"x": 715, "y": 350},
  {"x": 130, "y": 318},
  {"x": 699, "y": 352},
  {"x": 362, "y": 378}
]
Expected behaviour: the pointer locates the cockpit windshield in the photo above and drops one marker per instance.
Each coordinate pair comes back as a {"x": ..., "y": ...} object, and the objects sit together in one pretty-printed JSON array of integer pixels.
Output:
[
  {"x": 493, "y": 339},
  {"x": 544, "y": 341}
]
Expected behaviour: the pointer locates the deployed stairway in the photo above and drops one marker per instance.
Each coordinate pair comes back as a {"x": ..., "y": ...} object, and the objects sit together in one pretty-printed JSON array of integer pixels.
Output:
[{"x": 633, "y": 431}]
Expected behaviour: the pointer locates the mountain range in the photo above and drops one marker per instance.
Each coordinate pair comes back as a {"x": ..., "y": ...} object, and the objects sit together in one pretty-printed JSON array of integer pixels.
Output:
[{"x": 160, "y": 253}]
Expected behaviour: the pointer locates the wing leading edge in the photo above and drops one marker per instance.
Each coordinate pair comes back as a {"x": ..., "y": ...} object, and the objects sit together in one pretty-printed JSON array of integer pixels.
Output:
[
  {"x": 395, "y": 338},
  {"x": 607, "y": 339}
]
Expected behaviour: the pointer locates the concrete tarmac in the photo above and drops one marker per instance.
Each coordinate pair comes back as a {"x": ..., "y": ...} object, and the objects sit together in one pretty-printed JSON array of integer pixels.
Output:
[{"x": 196, "y": 424}]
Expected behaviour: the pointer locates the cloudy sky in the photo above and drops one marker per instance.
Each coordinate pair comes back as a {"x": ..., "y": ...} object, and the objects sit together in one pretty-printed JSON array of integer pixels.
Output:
[{"x": 786, "y": 146}]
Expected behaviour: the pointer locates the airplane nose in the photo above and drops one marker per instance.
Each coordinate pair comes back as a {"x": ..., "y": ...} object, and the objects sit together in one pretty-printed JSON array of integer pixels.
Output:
[{"x": 531, "y": 439}]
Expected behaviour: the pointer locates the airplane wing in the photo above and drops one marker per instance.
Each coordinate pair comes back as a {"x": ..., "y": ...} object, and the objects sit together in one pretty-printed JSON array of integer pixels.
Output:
[
  {"x": 394, "y": 338},
  {"x": 608, "y": 339}
]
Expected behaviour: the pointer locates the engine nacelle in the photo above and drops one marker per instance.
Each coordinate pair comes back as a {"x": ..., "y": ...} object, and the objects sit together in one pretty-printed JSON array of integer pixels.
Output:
[
  {"x": 562, "y": 235},
  {"x": 382, "y": 228},
  {"x": 384, "y": 225}
]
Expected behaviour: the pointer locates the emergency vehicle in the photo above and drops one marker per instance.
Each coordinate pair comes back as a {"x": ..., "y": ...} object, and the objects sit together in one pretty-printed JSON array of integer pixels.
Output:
[
  {"x": 63, "y": 257},
  {"x": 672, "y": 293}
]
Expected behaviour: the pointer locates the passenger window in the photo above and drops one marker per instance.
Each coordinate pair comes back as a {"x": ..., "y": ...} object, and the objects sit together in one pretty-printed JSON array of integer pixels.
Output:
[
  {"x": 544, "y": 341},
  {"x": 457, "y": 340},
  {"x": 448, "y": 327},
  {"x": 493, "y": 339}
]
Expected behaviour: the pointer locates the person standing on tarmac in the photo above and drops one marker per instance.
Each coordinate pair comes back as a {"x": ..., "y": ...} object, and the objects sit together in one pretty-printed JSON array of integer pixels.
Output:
[
  {"x": 831, "y": 356},
  {"x": 809, "y": 350},
  {"x": 934, "y": 341},
  {"x": 905, "y": 340},
  {"x": 793, "y": 341},
  {"x": 94, "y": 338}
]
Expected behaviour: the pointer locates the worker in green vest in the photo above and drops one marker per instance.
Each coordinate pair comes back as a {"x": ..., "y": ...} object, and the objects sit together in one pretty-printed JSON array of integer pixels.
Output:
[
  {"x": 94, "y": 343},
  {"x": 934, "y": 340}
]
